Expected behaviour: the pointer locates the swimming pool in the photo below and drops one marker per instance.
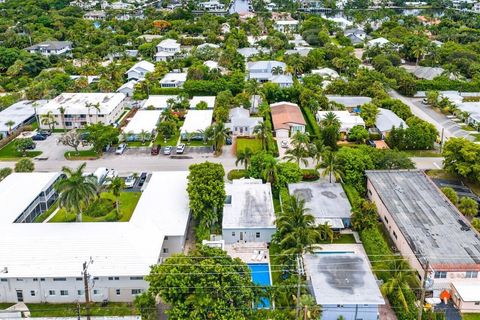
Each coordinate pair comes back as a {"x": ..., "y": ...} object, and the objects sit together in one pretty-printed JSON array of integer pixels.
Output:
[{"x": 261, "y": 277}]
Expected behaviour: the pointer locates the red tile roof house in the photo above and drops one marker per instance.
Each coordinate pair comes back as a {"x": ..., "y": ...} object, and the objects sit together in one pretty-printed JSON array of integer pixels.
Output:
[{"x": 287, "y": 119}]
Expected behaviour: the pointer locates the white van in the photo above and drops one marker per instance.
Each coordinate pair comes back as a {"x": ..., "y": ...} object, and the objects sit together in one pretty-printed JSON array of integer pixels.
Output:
[{"x": 100, "y": 174}]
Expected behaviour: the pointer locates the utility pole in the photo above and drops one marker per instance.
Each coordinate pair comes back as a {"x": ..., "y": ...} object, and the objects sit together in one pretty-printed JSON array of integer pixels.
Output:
[
  {"x": 441, "y": 139},
  {"x": 78, "y": 311},
  {"x": 299, "y": 282},
  {"x": 424, "y": 281},
  {"x": 85, "y": 283}
]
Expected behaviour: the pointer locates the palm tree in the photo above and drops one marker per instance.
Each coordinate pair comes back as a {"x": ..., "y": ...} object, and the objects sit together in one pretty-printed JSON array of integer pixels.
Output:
[
  {"x": 76, "y": 190},
  {"x": 62, "y": 115},
  {"x": 277, "y": 70},
  {"x": 418, "y": 52},
  {"x": 143, "y": 135},
  {"x": 218, "y": 134},
  {"x": 244, "y": 156},
  {"x": 326, "y": 233},
  {"x": 330, "y": 119},
  {"x": 331, "y": 166},
  {"x": 95, "y": 106},
  {"x": 297, "y": 154},
  {"x": 48, "y": 119},
  {"x": 399, "y": 281},
  {"x": 10, "y": 124},
  {"x": 261, "y": 132},
  {"x": 316, "y": 149},
  {"x": 116, "y": 186}
]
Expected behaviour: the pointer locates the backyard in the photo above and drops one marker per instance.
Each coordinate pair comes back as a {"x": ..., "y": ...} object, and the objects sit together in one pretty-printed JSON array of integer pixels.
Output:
[
  {"x": 254, "y": 144},
  {"x": 103, "y": 209},
  {"x": 471, "y": 316},
  {"x": 9, "y": 153}
]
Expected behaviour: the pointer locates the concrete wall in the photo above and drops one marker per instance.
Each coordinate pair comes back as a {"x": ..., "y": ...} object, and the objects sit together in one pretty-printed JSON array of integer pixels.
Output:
[
  {"x": 350, "y": 312},
  {"x": 281, "y": 133},
  {"x": 248, "y": 235},
  {"x": 36, "y": 290}
]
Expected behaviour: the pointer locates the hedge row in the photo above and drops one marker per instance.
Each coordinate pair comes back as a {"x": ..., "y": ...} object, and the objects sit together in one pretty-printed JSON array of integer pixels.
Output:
[
  {"x": 236, "y": 174},
  {"x": 312, "y": 125},
  {"x": 352, "y": 195},
  {"x": 310, "y": 175}
]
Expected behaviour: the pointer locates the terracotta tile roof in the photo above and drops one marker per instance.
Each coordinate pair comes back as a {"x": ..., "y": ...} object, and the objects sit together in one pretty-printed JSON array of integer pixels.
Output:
[{"x": 284, "y": 113}]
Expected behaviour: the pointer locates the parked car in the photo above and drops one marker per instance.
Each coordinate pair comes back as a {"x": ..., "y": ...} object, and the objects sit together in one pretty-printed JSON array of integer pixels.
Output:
[
  {"x": 130, "y": 181},
  {"x": 371, "y": 143},
  {"x": 180, "y": 148},
  {"x": 228, "y": 141},
  {"x": 167, "y": 150},
  {"x": 121, "y": 148},
  {"x": 143, "y": 177},
  {"x": 155, "y": 150},
  {"x": 39, "y": 137},
  {"x": 45, "y": 132},
  {"x": 110, "y": 176},
  {"x": 32, "y": 146},
  {"x": 284, "y": 144},
  {"x": 425, "y": 101}
]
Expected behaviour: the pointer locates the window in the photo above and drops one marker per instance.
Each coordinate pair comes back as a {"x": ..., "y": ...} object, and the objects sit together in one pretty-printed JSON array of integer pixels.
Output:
[
  {"x": 4, "y": 280},
  {"x": 80, "y": 292},
  {"x": 19, "y": 279},
  {"x": 68, "y": 123},
  {"x": 42, "y": 279},
  {"x": 64, "y": 292},
  {"x": 395, "y": 235},
  {"x": 369, "y": 192},
  {"x": 440, "y": 274},
  {"x": 477, "y": 303},
  {"x": 471, "y": 274},
  {"x": 228, "y": 200},
  {"x": 386, "y": 219},
  {"x": 136, "y": 278},
  {"x": 113, "y": 278},
  {"x": 32, "y": 293},
  {"x": 136, "y": 291},
  {"x": 165, "y": 250},
  {"x": 257, "y": 235},
  {"x": 97, "y": 292},
  {"x": 96, "y": 278},
  {"x": 51, "y": 292},
  {"x": 233, "y": 233},
  {"x": 59, "y": 279},
  {"x": 78, "y": 279},
  {"x": 117, "y": 292},
  {"x": 35, "y": 279}
]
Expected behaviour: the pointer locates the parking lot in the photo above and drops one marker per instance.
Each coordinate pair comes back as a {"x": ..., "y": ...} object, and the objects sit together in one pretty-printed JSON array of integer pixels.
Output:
[{"x": 51, "y": 149}]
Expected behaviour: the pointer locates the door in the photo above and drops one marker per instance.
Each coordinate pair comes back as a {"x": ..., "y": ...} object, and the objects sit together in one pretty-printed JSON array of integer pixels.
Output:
[
  {"x": 19, "y": 295},
  {"x": 241, "y": 236}
]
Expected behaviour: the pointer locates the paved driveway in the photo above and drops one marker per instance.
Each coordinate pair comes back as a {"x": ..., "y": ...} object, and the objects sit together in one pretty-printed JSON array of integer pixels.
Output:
[{"x": 53, "y": 150}]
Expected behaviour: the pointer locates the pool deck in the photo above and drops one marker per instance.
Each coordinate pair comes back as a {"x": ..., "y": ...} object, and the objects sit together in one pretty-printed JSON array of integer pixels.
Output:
[{"x": 250, "y": 252}]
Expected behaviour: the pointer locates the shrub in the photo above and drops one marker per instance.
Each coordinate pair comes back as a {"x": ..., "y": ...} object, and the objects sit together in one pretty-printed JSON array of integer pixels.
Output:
[
  {"x": 310, "y": 175},
  {"x": 236, "y": 174},
  {"x": 100, "y": 207},
  {"x": 352, "y": 195}
]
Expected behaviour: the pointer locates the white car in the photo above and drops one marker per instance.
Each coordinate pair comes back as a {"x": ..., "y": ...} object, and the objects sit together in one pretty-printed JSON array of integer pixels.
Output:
[
  {"x": 167, "y": 150},
  {"x": 121, "y": 148},
  {"x": 180, "y": 148},
  {"x": 130, "y": 181},
  {"x": 284, "y": 144}
]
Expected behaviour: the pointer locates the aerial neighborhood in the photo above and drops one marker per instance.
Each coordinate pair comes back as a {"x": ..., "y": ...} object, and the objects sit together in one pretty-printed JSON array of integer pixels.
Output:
[{"x": 243, "y": 159}]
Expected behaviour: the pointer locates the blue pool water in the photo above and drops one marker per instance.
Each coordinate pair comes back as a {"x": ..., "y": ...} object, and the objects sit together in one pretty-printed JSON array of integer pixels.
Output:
[{"x": 261, "y": 277}]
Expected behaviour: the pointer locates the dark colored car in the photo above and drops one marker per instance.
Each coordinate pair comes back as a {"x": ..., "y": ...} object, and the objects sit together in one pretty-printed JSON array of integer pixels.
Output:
[
  {"x": 45, "y": 133},
  {"x": 141, "y": 180},
  {"x": 228, "y": 141},
  {"x": 155, "y": 150},
  {"x": 370, "y": 143},
  {"x": 39, "y": 137}
]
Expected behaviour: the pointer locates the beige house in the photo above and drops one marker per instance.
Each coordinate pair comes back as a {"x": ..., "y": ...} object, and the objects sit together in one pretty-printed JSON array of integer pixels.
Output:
[
  {"x": 466, "y": 297},
  {"x": 287, "y": 119},
  {"x": 426, "y": 227}
]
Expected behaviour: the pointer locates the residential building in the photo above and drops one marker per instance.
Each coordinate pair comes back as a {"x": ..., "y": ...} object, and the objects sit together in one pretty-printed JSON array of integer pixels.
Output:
[
  {"x": 355, "y": 35},
  {"x": 20, "y": 113},
  {"x": 240, "y": 122},
  {"x": 263, "y": 71},
  {"x": 143, "y": 122},
  {"x": 128, "y": 88},
  {"x": 466, "y": 297},
  {"x": 139, "y": 70},
  {"x": 209, "y": 100},
  {"x": 476, "y": 7},
  {"x": 386, "y": 120},
  {"x": 427, "y": 73},
  {"x": 286, "y": 26},
  {"x": 48, "y": 48},
  {"x": 287, "y": 119},
  {"x": 326, "y": 73},
  {"x": 162, "y": 101},
  {"x": 341, "y": 281},
  {"x": 167, "y": 49},
  {"x": 327, "y": 202},
  {"x": 426, "y": 227},
  {"x": 301, "y": 51},
  {"x": 352, "y": 103},
  {"x": 196, "y": 121},
  {"x": 347, "y": 120},
  {"x": 251, "y": 51},
  {"x": 173, "y": 80},
  {"x": 378, "y": 42},
  {"x": 283, "y": 80},
  {"x": 44, "y": 265},
  {"x": 342, "y": 22},
  {"x": 211, "y": 6},
  {"x": 248, "y": 213},
  {"x": 81, "y": 109},
  {"x": 95, "y": 15}
]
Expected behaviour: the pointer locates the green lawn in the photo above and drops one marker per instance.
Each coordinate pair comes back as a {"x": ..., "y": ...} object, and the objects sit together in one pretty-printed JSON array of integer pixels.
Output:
[
  {"x": 138, "y": 144},
  {"x": 70, "y": 309},
  {"x": 81, "y": 155},
  {"x": 477, "y": 136},
  {"x": 423, "y": 153},
  {"x": 467, "y": 127},
  {"x": 254, "y": 144},
  {"x": 46, "y": 214},
  {"x": 197, "y": 143},
  {"x": 128, "y": 202},
  {"x": 10, "y": 153},
  {"x": 471, "y": 316},
  {"x": 341, "y": 238},
  {"x": 170, "y": 142},
  {"x": 5, "y": 305}
]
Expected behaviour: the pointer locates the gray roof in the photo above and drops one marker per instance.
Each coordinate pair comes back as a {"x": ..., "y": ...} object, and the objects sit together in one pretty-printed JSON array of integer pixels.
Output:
[
  {"x": 431, "y": 225},
  {"x": 428, "y": 73},
  {"x": 387, "y": 119},
  {"x": 349, "y": 101},
  {"x": 249, "y": 205},
  {"x": 324, "y": 200},
  {"x": 53, "y": 45},
  {"x": 342, "y": 278}
]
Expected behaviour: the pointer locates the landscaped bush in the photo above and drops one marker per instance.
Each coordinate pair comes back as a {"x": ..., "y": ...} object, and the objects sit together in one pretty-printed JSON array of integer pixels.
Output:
[
  {"x": 100, "y": 207},
  {"x": 310, "y": 175},
  {"x": 236, "y": 174},
  {"x": 312, "y": 125},
  {"x": 352, "y": 195}
]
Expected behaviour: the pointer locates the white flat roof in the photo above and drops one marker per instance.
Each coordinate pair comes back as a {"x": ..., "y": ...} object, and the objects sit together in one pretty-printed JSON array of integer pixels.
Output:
[
  {"x": 347, "y": 119},
  {"x": 210, "y": 100},
  {"x": 117, "y": 248},
  {"x": 143, "y": 120},
  {"x": 341, "y": 274},
  {"x": 159, "y": 102},
  {"x": 75, "y": 103},
  {"x": 174, "y": 77},
  {"x": 18, "y": 112},
  {"x": 469, "y": 292},
  {"x": 251, "y": 205},
  {"x": 197, "y": 120}
]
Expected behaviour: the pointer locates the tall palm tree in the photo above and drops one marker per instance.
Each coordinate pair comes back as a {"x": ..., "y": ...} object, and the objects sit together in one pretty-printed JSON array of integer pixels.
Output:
[
  {"x": 330, "y": 119},
  {"x": 76, "y": 190},
  {"x": 277, "y": 70},
  {"x": 244, "y": 156},
  {"x": 48, "y": 119},
  {"x": 316, "y": 149},
  {"x": 325, "y": 231},
  {"x": 143, "y": 135},
  {"x": 261, "y": 131},
  {"x": 116, "y": 186},
  {"x": 331, "y": 166},
  {"x": 217, "y": 133},
  {"x": 399, "y": 281},
  {"x": 297, "y": 154},
  {"x": 90, "y": 106},
  {"x": 62, "y": 115}
]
